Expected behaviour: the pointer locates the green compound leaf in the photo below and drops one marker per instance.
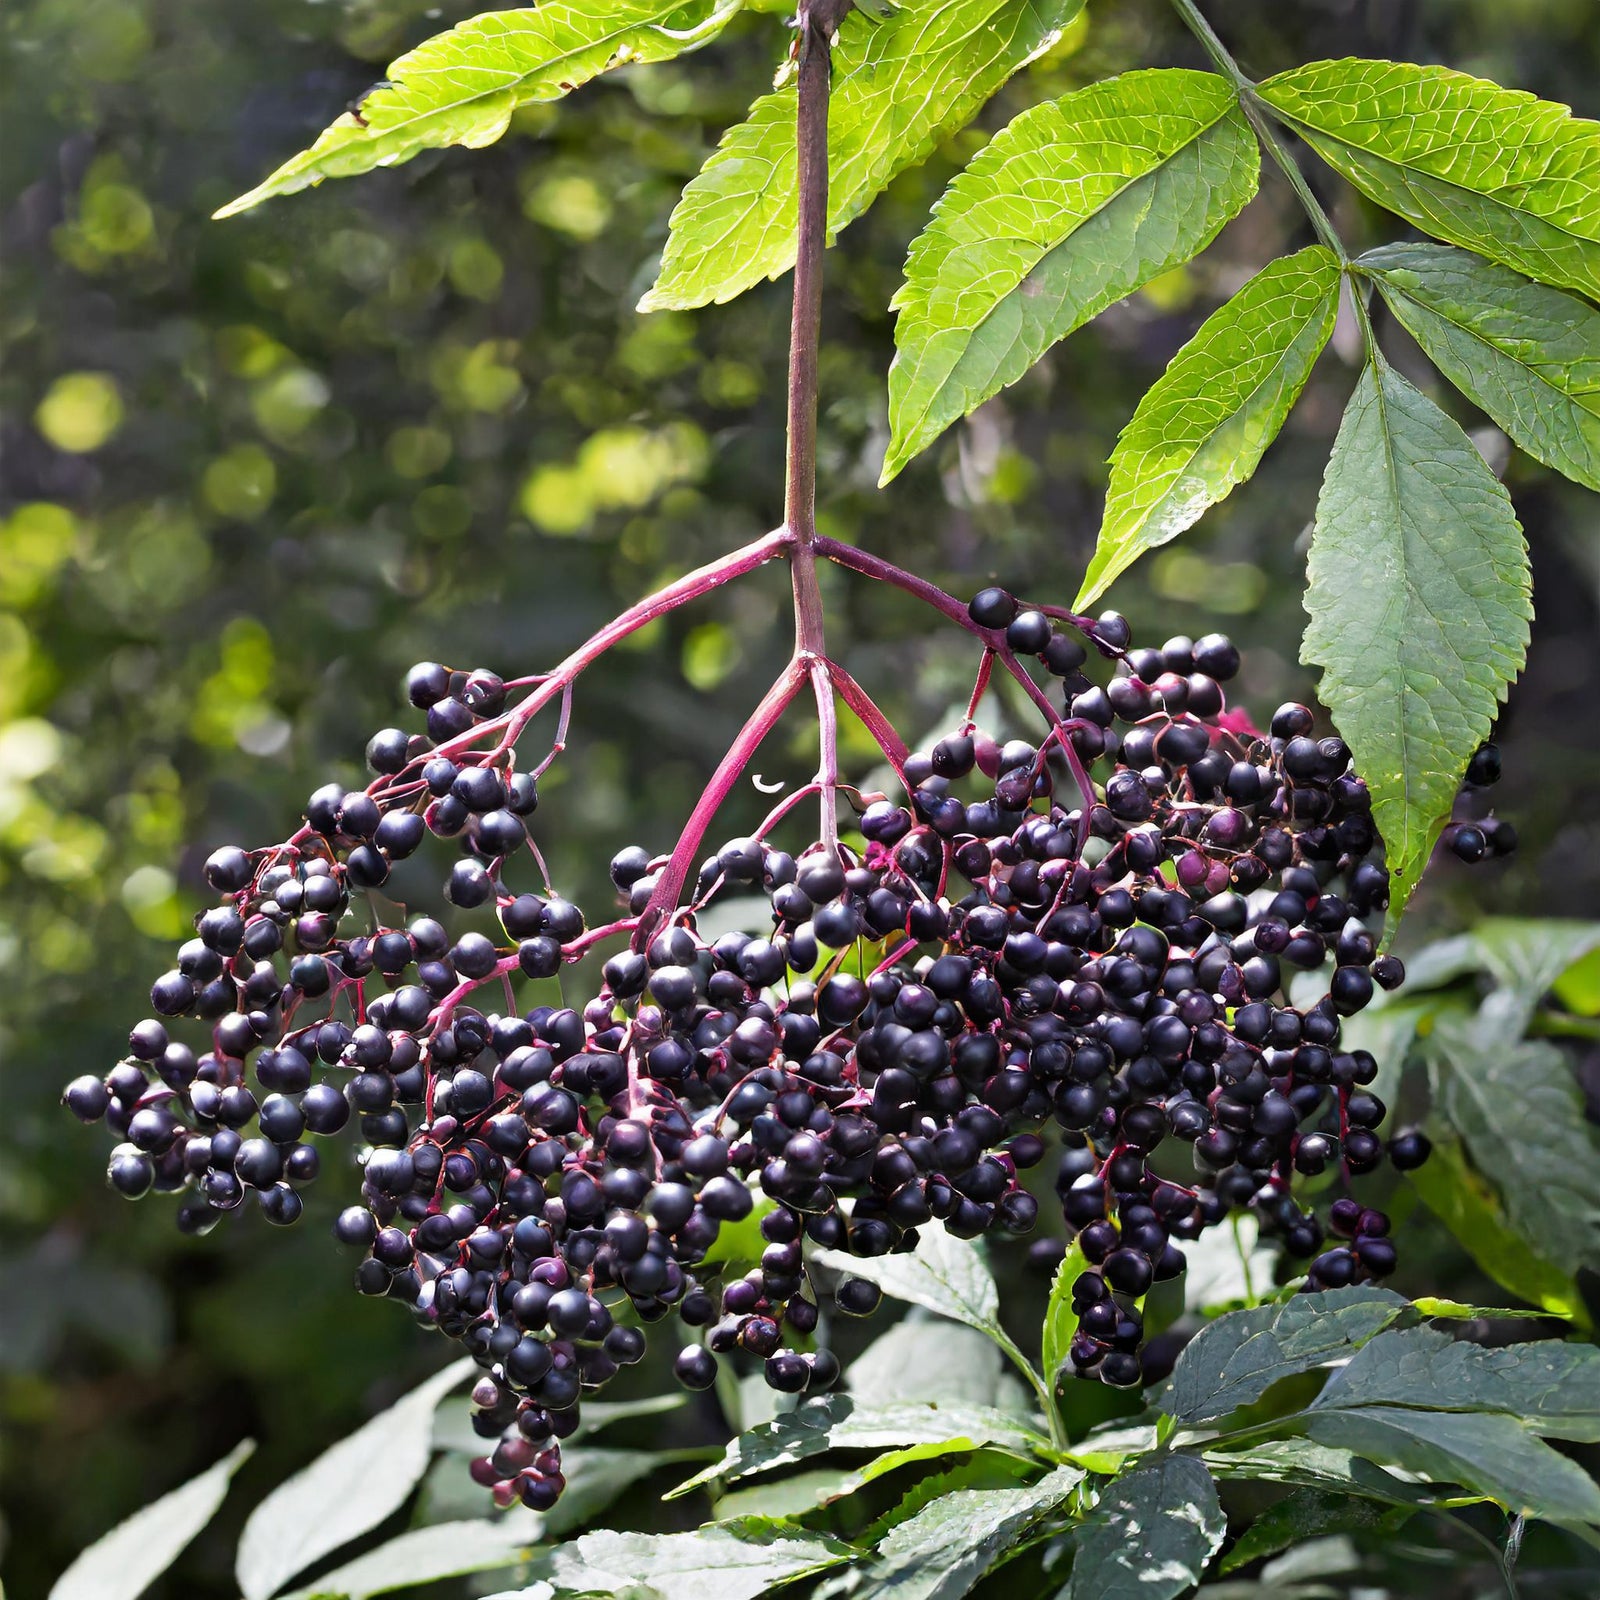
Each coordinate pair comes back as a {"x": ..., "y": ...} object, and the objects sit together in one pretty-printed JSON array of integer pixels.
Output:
[
  {"x": 1527, "y": 354},
  {"x": 1072, "y": 206},
  {"x": 1205, "y": 423},
  {"x": 346, "y": 1492},
  {"x": 1550, "y": 1387},
  {"x": 1419, "y": 595},
  {"x": 122, "y": 1564},
  {"x": 1519, "y": 1110},
  {"x": 429, "y": 1554},
  {"x": 732, "y": 1562},
  {"x": 1484, "y": 1451},
  {"x": 1453, "y": 1190},
  {"x": 1151, "y": 1536},
  {"x": 899, "y": 86},
  {"x": 1236, "y": 1359},
  {"x": 942, "y": 1551},
  {"x": 1305, "y": 1514},
  {"x": 1496, "y": 170},
  {"x": 840, "y": 1422},
  {"x": 462, "y": 87}
]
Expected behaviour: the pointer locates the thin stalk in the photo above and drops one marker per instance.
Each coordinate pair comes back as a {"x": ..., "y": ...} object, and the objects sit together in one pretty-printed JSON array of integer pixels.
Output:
[
  {"x": 817, "y": 23},
  {"x": 1040, "y": 1386},
  {"x": 1259, "y": 113},
  {"x": 873, "y": 720},
  {"x": 761, "y": 723}
]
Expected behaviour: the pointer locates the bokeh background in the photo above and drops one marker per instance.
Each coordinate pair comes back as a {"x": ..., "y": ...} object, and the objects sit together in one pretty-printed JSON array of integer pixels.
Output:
[{"x": 253, "y": 469}]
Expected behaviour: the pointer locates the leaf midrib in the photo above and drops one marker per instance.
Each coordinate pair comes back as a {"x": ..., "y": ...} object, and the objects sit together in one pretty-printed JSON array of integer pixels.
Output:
[
  {"x": 1379, "y": 368},
  {"x": 1149, "y": 173},
  {"x": 1311, "y": 132},
  {"x": 1238, "y": 411},
  {"x": 522, "y": 79},
  {"x": 1389, "y": 286}
]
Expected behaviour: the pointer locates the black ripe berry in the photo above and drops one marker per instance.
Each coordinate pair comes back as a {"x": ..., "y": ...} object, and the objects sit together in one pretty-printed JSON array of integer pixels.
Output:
[{"x": 1014, "y": 948}]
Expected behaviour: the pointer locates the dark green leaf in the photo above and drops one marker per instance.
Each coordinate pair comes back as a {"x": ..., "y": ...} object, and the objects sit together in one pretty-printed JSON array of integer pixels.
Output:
[
  {"x": 122, "y": 1564},
  {"x": 1237, "y": 1358},
  {"x": 461, "y": 87},
  {"x": 1151, "y": 1535},
  {"x": 733, "y": 1562},
  {"x": 1419, "y": 597},
  {"x": 949, "y": 1544},
  {"x": 1310, "y": 1514},
  {"x": 1484, "y": 1451},
  {"x": 1468, "y": 1206},
  {"x": 1301, "y": 1463},
  {"x": 349, "y": 1489},
  {"x": 841, "y": 1422},
  {"x": 1205, "y": 423},
  {"x": 1527, "y": 354},
  {"x": 1552, "y": 1388},
  {"x": 1515, "y": 178},
  {"x": 1520, "y": 1112},
  {"x": 1072, "y": 206},
  {"x": 900, "y": 85}
]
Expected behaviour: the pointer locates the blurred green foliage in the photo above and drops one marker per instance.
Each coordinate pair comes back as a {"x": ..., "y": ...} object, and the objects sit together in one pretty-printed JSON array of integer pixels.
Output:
[{"x": 253, "y": 469}]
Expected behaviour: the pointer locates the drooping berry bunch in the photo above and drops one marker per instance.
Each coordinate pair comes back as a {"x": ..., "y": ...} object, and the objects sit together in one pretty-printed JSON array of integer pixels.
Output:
[{"x": 1089, "y": 934}]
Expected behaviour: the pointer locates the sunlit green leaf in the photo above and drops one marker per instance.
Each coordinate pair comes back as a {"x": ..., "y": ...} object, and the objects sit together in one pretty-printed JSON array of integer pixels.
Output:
[
  {"x": 1302, "y": 1463},
  {"x": 944, "y": 1274},
  {"x": 1072, "y": 206},
  {"x": 425, "y": 1555},
  {"x": 899, "y": 86},
  {"x": 1528, "y": 354},
  {"x": 1468, "y": 1206},
  {"x": 350, "y": 1488},
  {"x": 732, "y": 1562},
  {"x": 842, "y": 1422},
  {"x": 942, "y": 1551},
  {"x": 122, "y": 1564},
  {"x": 1060, "y": 1320},
  {"x": 1419, "y": 602},
  {"x": 928, "y": 1358},
  {"x": 1205, "y": 423},
  {"x": 1152, "y": 1534},
  {"x": 1494, "y": 169},
  {"x": 461, "y": 87},
  {"x": 1528, "y": 955}
]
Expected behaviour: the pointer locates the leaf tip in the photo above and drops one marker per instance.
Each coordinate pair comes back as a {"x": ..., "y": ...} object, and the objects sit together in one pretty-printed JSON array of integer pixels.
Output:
[{"x": 245, "y": 202}]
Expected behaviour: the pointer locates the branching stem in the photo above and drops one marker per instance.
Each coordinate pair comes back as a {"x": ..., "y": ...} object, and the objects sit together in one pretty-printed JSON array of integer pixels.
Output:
[{"x": 1260, "y": 114}]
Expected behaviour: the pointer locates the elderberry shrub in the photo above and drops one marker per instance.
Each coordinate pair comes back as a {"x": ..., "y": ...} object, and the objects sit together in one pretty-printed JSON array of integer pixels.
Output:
[{"x": 1091, "y": 934}]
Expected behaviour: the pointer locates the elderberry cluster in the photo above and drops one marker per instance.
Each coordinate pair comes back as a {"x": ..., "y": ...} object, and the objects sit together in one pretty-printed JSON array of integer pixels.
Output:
[{"x": 1091, "y": 935}]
